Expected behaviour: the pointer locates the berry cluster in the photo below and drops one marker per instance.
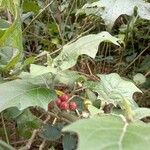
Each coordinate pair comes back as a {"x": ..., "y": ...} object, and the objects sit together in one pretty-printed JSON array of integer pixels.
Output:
[{"x": 63, "y": 104}]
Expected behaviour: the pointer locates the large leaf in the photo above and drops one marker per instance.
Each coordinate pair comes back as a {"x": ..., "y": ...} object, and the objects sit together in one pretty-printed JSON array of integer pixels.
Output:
[
  {"x": 141, "y": 113},
  {"x": 110, "y": 133},
  {"x": 110, "y": 10},
  {"x": 22, "y": 94},
  {"x": 12, "y": 36},
  {"x": 87, "y": 45},
  {"x": 114, "y": 89}
]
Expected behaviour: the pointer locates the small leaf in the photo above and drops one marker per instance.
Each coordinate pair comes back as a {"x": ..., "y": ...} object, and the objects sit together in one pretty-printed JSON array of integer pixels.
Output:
[
  {"x": 69, "y": 77},
  {"x": 37, "y": 70},
  {"x": 29, "y": 61},
  {"x": 139, "y": 78},
  {"x": 145, "y": 65},
  {"x": 51, "y": 132}
]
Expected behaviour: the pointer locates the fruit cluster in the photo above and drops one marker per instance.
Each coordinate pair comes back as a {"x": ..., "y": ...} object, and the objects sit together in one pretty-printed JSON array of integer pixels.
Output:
[{"x": 63, "y": 104}]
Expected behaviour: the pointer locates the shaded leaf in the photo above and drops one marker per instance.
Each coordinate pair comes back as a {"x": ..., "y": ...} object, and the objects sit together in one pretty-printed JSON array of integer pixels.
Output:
[
  {"x": 69, "y": 142},
  {"x": 12, "y": 113},
  {"x": 26, "y": 123},
  {"x": 51, "y": 132},
  {"x": 145, "y": 65}
]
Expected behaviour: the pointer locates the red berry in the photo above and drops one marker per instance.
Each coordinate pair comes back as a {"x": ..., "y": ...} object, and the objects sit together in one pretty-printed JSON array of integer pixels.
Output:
[
  {"x": 72, "y": 105},
  {"x": 64, "y": 106},
  {"x": 58, "y": 101},
  {"x": 64, "y": 97}
]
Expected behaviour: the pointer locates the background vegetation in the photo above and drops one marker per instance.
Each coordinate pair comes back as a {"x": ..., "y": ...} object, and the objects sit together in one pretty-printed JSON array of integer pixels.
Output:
[{"x": 96, "y": 53}]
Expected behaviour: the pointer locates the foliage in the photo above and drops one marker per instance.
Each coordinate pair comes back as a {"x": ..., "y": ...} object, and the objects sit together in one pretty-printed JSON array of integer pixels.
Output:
[
  {"x": 110, "y": 132},
  {"x": 110, "y": 14},
  {"x": 11, "y": 38},
  {"x": 50, "y": 51}
]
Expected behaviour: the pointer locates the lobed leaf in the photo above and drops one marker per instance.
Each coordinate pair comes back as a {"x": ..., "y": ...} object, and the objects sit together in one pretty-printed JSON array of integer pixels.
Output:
[
  {"x": 110, "y": 133},
  {"x": 110, "y": 10},
  {"x": 87, "y": 45},
  {"x": 23, "y": 94}
]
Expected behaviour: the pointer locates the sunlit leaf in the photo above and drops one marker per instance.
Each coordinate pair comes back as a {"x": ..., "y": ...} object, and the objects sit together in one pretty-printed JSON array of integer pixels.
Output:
[
  {"x": 114, "y": 89},
  {"x": 87, "y": 45},
  {"x": 110, "y": 133},
  {"x": 23, "y": 94},
  {"x": 110, "y": 10}
]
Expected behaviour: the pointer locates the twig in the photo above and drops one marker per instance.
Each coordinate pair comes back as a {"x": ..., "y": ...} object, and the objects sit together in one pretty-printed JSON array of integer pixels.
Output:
[
  {"x": 9, "y": 16},
  {"x": 38, "y": 15},
  {"x": 58, "y": 27},
  {"x": 137, "y": 57},
  {"x": 30, "y": 141},
  {"x": 89, "y": 69},
  {"x": 44, "y": 141},
  {"x": 4, "y": 126},
  {"x": 68, "y": 14},
  {"x": 42, "y": 145},
  {"x": 147, "y": 74}
]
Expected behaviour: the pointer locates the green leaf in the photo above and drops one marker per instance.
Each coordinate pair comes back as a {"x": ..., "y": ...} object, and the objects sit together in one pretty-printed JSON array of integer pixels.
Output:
[
  {"x": 4, "y": 146},
  {"x": 110, "y": 10},
  {"x": 9, "y": 56},
  {"x": 3, "y": 26},
  {"x": 87, "y": 45},
  {"x": 110, "y": 133},
  {"x": 26, "y": 123},
  {"x": 12, "y": 113},
  {"x": 12, "y": 36},
  {"x": 22, "y": 94},
  {"x": 139, "y": 78},
  {"x": 51, "y": 132},
  {"x": 37, "y": 70},
  {"x": 69, "y": 77},
  {"x": 31, "y": 6},
  {"x": 145, "y": 65},
  {"x": 69, "y": 142},
  {"x": 114, "y": 89},
  {"x": 29, "y": 61},
  {"x": 141, "y": 113}
]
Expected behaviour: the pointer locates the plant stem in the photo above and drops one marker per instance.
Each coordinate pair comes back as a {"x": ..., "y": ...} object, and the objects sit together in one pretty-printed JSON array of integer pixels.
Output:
[{"x": 4, "y": 126}]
